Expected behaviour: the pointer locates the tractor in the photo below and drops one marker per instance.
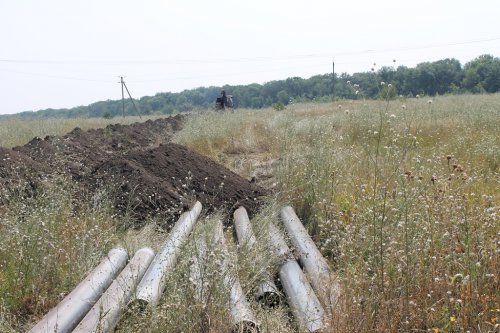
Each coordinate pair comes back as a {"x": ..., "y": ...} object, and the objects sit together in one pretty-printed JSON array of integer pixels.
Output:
[{"x": 224, "y": 101}]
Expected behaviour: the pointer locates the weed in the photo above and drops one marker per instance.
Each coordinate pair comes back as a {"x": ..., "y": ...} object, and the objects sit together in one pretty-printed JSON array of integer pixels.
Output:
[{"x": 400, "y": 194}]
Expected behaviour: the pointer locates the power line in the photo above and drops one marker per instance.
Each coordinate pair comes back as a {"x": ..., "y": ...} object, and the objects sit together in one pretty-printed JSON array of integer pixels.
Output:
[
  {"x": 198, "y": 75},
  {"x": 424, "y": 47},
  {"x": 241, "y": 59},
  {"x": 55, "y": 76},
  {"x": 180, "y": 76}
]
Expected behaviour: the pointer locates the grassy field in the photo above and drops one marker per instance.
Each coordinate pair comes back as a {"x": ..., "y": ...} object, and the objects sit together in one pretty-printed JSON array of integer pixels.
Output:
[{"x": 401, "y": 196}]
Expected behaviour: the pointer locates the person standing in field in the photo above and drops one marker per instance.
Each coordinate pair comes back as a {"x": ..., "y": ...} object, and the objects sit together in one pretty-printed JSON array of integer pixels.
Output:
[{"x": 223, "y": 99}]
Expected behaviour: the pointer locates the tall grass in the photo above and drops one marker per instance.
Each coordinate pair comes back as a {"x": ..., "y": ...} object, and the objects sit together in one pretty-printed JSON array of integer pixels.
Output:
[
  {"x": 48, "y": 242},
  {"x": 401, "y": 195}
]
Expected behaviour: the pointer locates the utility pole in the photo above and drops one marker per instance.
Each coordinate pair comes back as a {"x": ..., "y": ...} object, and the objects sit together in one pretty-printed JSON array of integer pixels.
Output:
[
  {"x": 135, "y": 107},
  {"x": 333, "y": 80},
  {"x": 123, "y": 98},
  {"x": 131, "y": 99}
]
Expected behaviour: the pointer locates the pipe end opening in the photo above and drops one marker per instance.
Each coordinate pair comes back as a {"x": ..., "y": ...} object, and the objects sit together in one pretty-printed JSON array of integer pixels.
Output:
[
  {"x": 246, "y": 326},
  {"x": 139, "y": 305},
  {"x": 269, "y": 298}
]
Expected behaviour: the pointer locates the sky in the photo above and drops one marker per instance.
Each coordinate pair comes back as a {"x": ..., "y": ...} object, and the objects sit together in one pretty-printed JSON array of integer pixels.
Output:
[{"x": 66, "y": 53}]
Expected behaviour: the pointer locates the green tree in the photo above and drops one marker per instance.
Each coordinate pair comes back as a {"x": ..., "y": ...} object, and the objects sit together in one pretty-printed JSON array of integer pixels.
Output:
[
  {"x": 447, "y": 73},
  {"x": 283, "y": 97},
  {"x": 482, "y": 74}
]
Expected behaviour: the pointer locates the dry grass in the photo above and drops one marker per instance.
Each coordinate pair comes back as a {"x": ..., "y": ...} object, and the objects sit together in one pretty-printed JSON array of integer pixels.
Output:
[
  {"x": 402, "y": 197},
  {"x": 48, "y": 243}
]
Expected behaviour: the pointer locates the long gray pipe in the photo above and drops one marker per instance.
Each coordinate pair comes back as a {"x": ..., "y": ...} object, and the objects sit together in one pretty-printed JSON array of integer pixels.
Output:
[
  {"x": 105, "y": 314},
  {"x": 241, "y": 313},
  {"x": 153, "y": 283},
  {"x": 266, "y": 290},
  {"x": 322, "y": 280},
  {"x": 305, "y": 305},
  {"x": 197, "y": 270},
  {"x": 68, "y": 313}
]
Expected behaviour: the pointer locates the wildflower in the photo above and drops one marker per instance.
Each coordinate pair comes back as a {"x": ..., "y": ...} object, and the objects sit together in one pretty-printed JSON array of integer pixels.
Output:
[
  {"x": 346, "y": 111},
  {"x": 382, "y": 83},
  {"x": 393, "y": 116},
  {"x": 348, "y": 82},
  {"x": 429, "y": 101},
  {"x": 357, "y": 92},
  {"x": 403, "y": 106},
  {"x": 389, "y": 85},
  {"x": 340, "y": 106},
  {"x": 418, "y": 96}
]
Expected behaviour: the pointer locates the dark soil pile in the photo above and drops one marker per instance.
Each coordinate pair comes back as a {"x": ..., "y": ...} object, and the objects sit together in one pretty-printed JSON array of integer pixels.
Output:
[
  {"x": 145, "y": 174},
  {"x": 19, "y": 172},
  {"x": 174, "y": 177},
  {"x": 78, "y": 152}
]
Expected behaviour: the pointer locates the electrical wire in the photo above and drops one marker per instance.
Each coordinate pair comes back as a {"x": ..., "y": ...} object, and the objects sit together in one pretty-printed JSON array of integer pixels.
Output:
[
  {"x": 241, "y": 59},
  {"x": 54, "y": 76}
]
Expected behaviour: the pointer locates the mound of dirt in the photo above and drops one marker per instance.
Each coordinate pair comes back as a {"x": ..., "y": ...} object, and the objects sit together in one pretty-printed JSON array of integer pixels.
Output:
[
  {"x": 18, "y": 171},
  {"x": 172, "y": 176},
  {"x": 78, "y": 152},
  {"x": 147, "y": 175}
]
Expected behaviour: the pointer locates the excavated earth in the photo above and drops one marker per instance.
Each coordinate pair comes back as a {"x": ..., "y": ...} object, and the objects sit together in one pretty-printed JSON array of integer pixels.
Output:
[{"x": 145, "y": 174}]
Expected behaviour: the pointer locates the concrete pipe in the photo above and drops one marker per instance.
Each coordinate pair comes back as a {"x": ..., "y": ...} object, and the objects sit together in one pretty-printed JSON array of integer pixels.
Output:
[
  {"x": 105, "y": 314},
  {"x": 198, "y": 269},
  {"x": 266, "y": 290},
  {"x": 152, "y": 284},
  {"x": 322, "y": 280},
  {"x": 304, "y": 303},
  {"x": 68, "y": 313},
  {"x": 241, "y": 313}
]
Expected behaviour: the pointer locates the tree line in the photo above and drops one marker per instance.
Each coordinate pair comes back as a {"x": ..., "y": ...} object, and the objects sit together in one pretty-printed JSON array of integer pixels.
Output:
[{"x": 447, "y": 76}]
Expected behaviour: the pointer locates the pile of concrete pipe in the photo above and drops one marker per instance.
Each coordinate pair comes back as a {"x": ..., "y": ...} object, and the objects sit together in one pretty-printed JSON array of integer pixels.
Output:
[
  {"x": 96, "y": 303},
  {"x": 312, "y": 293}
]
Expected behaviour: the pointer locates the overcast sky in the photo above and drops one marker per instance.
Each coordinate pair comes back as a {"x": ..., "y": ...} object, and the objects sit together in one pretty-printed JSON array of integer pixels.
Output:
[{"x": 65, "y": 53}]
